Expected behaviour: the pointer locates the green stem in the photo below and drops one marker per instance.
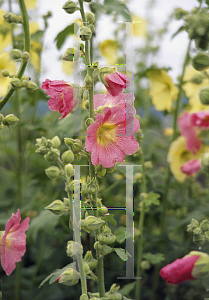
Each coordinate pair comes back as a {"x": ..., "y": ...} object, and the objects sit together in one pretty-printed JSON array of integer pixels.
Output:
[
  {"x": 18, "y": 281},
  {"x": 83, "y": 275},
  {"x": 140, "y": 239},
  {"x": 19, "y": 152},
  {"x": 23, "y": 65}
]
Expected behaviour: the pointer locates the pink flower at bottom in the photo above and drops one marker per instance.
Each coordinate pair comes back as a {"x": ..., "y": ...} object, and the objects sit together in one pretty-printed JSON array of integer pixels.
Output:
[
  {"x": 61, "y": 96},
  {"x": 116, "y": 82},
  {"x": 200, "y": 119},
  {"x": 180, "y": 270},
  {"x": 106, "y": 139},
  {"x": 191, "y": 167},
  {"x": 13, "y": 242}
]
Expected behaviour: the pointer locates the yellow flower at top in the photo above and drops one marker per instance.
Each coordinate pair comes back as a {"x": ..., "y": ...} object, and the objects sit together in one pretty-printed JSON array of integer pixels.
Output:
[
  {"x": 109, "y": 49},
  {"x": 6, "y": 63},
  {"x": 179, "y": 155},
  {"x": 192, "y": 90},
  {"x": 140, "y": 29},
  {"x": 162, "y": 89},
  {"x": 30, "y": 4},
  {"x": 5, "y": 32}
]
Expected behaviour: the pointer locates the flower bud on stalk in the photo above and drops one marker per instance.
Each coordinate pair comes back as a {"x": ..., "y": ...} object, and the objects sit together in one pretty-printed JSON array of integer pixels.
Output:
[
  {"x": 31, "y": 86},
  {"x": 16, "y": 83},
  {"x": 93, "y": 223},
  {"x": 52, "y": 155},
  {"x": 5, "y": 73},
  {"x": 71, "y": 54},
  {"x": 57, "y": 207},
  {"x": 70, "y": 7},
  {"x": 11, "y": 18},
  {"x": 1, "y": 121},
  {"x": 67, "y": 157},
  {"x": 204, "y": 96},
  {"x": 92, "y": 28},
  {"x": 69, "y": 170},
  {"x": 90, "y": 17},
  {"x": 42, "y": 150},
  {"x": 56, "y": 142},
  {"x": 74, "y": 248},
  {"x": 200, "y": 61},
  {"x": 92, "y": 262},
  {"x": 88, "y": 81},
  {"x": 10, "y": 120},
  {"x": 84, "y": 297},
  {"x": 25, "y": 56},
  {"x": 85, "y": 33},
  {"x": 197, "y": 79},
  {"x": 69, "y": 277},
  {"x": 15, "y": 54},
  {"x": 204, "y": 225},
  {"x": 53, "y": 172},
  {"x": 89, "y": 121}
]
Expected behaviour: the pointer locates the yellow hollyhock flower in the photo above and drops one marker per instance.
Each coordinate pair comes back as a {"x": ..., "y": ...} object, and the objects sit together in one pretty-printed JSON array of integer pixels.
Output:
[
  {"x": 192, "y": 90},
  {"x": 67, "y": 67},
  {"x": 5, "y": 32},
  {"x": 162, "y": 89},
  {"x": 30, "y": 4},
  {"x": 6, "y": 63},
  {"x": 140, "y": 29},
  {"x": 179, "y": 155},
  {"x": 109, "y": 50}
]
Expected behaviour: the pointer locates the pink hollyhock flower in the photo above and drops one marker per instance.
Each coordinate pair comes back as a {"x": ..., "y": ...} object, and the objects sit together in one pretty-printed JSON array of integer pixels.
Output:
[
  {"x": 189, "y": 132},
  {"x": 191, "y": 167},
  {"x": 122, "y": 100},
  {"x": 61, "y": 96},
  {"x": 106, "y": 139},
  {"x": 180, "y": 270},
  {"x": 114, "y": 82},
  {"x": 200, "y": 119},
  {"x": 13, "y": 242}
]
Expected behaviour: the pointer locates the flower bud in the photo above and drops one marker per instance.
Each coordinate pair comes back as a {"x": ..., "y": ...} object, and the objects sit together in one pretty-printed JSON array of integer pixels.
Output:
[
  {"x": 98, "y": 246},
  {"x": 25, "y": 56},
  {"x": 145, "y": 265},
  {"x": 56, "y": 142},
  {"x": 32, "y": 86},
  {"x": 52, "y": 155},
  {"x": 105, "y": 70},
  {"x": 70, "y": 7},
  {"x": 86, "y": 268},
  {"x": 88, "y": 81},
  {"x": 86, "y": 97},
  {"x": 16, "y": 83},
  {"x": 74, "y": 185},
  {"x": 10, "y": 120},
  {"x": 24, "y": 83},
  {"x": 74, "y": 248},
  {"x": 69, "y": 277},
  {"x": 199, "y": 239},
  {"x": 204, "y": 225},
  {"x": 42, "y": 150},
  {"x": 69, "y": 170},
  {"x": 205, "y": 163},
  {"x": 67, "y": 157},
  {"x": 92, "y": 28},
  {"x": 1, "y": 121},
  {"x": 200, "y": 61},
  {"x": 75, "y": 145},
  {"x": 201, "y": 266},
  {"x": 106, "y": 237},
  {"x": 89, "y": 121},
  {"x": 93, "y": 223},
  {"x": 11, "y": 18},
  {"x": 90, "y": 17},
  {"x": 197, "y": 79},
  {"x": 92, "y": 262},
  {"x": 49, "y": 143},
  {"x": 71, "y": 54},
  {"x": 85, "y": 33},
  {"x": 204, "y": 96},
  {"x": 194, "y": 224},
  {"x": 57, "y": 207},
  {"x": 84, "y": 297},
  {"x": 5, "y": 73},
  {"x": 53, "y": 172},
  {"x": 15, "y": 53},
  {"x": 148, "y": 165}
]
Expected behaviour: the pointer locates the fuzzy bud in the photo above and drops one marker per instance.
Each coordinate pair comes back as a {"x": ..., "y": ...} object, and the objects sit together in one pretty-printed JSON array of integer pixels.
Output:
[
  {"x": 56, "y": 142},
  {"x": 42, "y": 150},
  {"x": 74, "y": 185},
  {"x": 89, "y": 121},
  {"x": 85, "y": 33},
  {"x": 5, "y": 73},
  {"x": 11, "y": 18},
  {"x": 10, "y": 120},
  {"x": 84, "y": 297},
  {"x": 196, "y": 79},
  {"x": 75, "y": 145},
  {"x": 148, "y": 165},
  {"x": 67, "y": 157},
  {"x": 16, "y": 83},
  {"x": 25, "y": 56},
  {"x": 145, "y": 265},
  {"x": 57, "y": 207},
  {"x": 90, "y": 17},
  {"x": 74, "y": 248},
  {"x": 205, "y": 163},
  {"x": 52, "y": 155},
  {"x": 1, "y": 121},
  {"x": 70, "y": 7},
  {"x": 106, "y": 237},
  {"x": 200, "y": 61},
  {"x": 92, "y": 28},
  {"x": 71, "y": 54},
  {"x": 69, "y": 170},
  {"x": 24, "y": 83},
  {"x": 53, "y": 172},
  {"x": 92, "y": 262},
  {"x": 69, "y": 277},
  {"x": 93, "y": 223},
  {"x": 204, "y": 96},
  {"x": 86, "y": 97},
  {"x": 88, "y": 81},
  {"x": 32, "y": 86},
  {"x": 15, "y": 54},
  {"x": 204, "y": 225}
]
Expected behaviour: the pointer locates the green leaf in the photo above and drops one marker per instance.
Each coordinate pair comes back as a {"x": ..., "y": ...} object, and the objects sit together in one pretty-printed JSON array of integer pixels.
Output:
[
  {"x": 116, "y": 6},
  {"x": 107, "y": 250},
  {"x": 178, "y": 31},
  {"x": 62, "y": 35},
  {"x": 126, "y": 289},
  {"x": 121, "y": 234},
  {"x": 152, "y": 198},
  {"x": 109, "y": 218},
  {"x": 122, "y": 253},
  {"x": 154, "y": 258}
]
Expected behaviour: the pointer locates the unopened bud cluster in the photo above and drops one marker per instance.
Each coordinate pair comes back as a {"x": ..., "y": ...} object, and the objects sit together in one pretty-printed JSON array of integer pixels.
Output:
[
  {"x": 9, "y": 120},
  {"x": 91, "y": 223},
  {"x": 74, "y": 145},
  {"x": 200, "y": 231},
  {"x": 12, "y": 18},
  {"x": 106, "y": 237},
  {"x": 48, "y": 148},
  {"x": 90, "y": 187}
]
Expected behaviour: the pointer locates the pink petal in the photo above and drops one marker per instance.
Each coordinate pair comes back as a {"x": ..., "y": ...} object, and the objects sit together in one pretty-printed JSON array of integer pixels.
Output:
[
  {"x": 200, "y": 119},
  {"x": 191, "y": 167}
]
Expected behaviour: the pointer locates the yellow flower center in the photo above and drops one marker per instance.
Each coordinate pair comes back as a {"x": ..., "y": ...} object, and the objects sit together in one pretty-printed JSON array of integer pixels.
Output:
[{"x": 106, "y": 133}]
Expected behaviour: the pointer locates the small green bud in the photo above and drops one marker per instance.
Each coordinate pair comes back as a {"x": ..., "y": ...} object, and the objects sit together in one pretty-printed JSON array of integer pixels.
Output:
[
  {"x": 194, "y": 224},
  {"x": 11, "y": 18},
  {"x": 90, "y": 17},
  {"x": 92, "y": 262},
  {"x": 84, "y": 297},
  {"x": 42, "y": 150},
  {"x": 56, "y": 142},
  {"x": 24, "y": 83},
  {"x": 204, "y": 96},
  {"x": 98, "y": 246},
  {"x": 89, "y": 121},
  {"x": 57, "y": 207},
  {"x": 10, "y": 120},
  {"x": 204, "y": 225},
  {"x": 5, "y": 73},
  {"x": 92, "y": 28},
  {"x": 69, "y": 170},
  {"x": 86, "y": 95},
  {"x": 88, "y": 81},
  {"x": 53, "y": 172},
  {"x": 74, "y": 248},
  {"x": 86, "y": 104},
  {"x": 1, "y": 121},
  {"x": 25, "y": 56},
  {"x": 199, "y": 239},
  {"x": 67, "y": 157},
  {"x": 15, "y": 54},
  {"x": 70, "y": 7},
  {"x": 200, "y": 61},
  {"x": 66, "y": 202},
  {"x": 93, "y": 223},
  {"x": 52, "y": 155},
  {"x": 145, "y": 265},
  {"x": 49, "y": 143},
  {"x": 75, "y": 145},
  {"x": 16, "y": 83},
  {"x": 85, "y": 33},
  {"x": 74, "y": 185},
  {"x": 32, "y": 86},
  {"x": 69, "y": 277},
  {"x": 196, "y": 79},
  {"x": 148, "y": 165},
  {"x": 71, "y": 54},
  {"x": 205, "y": 163},
  {"x": 86, "y": 268},
  {"x": 106, "y": 237}
]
